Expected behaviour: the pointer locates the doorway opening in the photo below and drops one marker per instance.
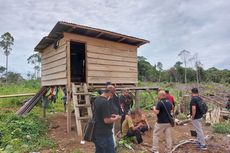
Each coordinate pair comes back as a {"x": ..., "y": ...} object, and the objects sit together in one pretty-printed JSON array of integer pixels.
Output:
[{"x": 77, "y": 62}]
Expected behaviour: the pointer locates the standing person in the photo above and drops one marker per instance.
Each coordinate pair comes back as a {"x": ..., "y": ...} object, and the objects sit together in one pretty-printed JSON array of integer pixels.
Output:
[
  {"x": 170, "y": 97},
  {"x": 103, "y": 135},
  {"x": 126, "y": 103},
  {"x": 115, "y": 109},
  {"x": 197, "y": 115},
  {"x": 162, "y": 110}
]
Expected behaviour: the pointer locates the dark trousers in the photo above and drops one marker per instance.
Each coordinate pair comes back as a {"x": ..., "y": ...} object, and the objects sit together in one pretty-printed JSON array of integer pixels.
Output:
[
  {"x": 137, "y": 133},
  {"x": 104, "y": 144}
]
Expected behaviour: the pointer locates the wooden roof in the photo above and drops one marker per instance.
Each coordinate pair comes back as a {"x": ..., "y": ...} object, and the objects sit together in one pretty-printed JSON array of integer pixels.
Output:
[{"x": 61, "y": 26}]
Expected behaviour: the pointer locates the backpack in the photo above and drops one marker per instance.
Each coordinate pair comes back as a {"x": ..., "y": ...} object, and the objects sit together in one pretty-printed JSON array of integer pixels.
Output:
[{"x": 202, "y": 106}]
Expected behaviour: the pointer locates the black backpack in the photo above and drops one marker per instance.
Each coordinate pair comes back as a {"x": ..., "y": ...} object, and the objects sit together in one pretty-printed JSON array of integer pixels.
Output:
[{"x": 202, "y": 106}]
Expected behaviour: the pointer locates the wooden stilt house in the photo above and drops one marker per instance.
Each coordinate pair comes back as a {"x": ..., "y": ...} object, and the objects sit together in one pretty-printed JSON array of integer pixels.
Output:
[{"x": 78, "y": 56}]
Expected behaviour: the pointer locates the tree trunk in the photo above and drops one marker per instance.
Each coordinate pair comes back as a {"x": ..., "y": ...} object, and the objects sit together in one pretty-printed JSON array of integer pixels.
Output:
[
  {"x": 197, "y": 76},
  {"x": 159, "y": 80},
  {"x": 185, "y": 75},
  {"x": 6, "y": 67}
]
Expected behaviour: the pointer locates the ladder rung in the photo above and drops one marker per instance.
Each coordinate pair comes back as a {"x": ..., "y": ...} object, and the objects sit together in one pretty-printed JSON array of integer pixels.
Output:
[
  {"x": 84, "y": 118},
  {"x": 82, "y": 93},
  {"x": 83, "y": 105}
]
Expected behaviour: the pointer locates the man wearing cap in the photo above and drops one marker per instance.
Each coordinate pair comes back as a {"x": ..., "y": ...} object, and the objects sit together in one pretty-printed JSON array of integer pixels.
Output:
[{"x": 103, "y": 135}]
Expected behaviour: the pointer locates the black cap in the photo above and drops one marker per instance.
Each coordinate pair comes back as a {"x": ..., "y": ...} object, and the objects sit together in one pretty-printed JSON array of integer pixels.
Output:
[{"x": 194, "y": 90}]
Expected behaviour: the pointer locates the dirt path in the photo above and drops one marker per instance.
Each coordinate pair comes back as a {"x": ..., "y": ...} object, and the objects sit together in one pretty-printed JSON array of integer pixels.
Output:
[{"x": 68, "y": 143}]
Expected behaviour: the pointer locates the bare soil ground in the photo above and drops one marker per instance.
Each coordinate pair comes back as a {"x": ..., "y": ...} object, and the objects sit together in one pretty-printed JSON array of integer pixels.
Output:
[{"x": 70, "y": 142}]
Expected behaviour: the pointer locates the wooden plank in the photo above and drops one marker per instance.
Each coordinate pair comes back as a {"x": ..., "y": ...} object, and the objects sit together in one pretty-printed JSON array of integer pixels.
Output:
[
  {"x": 83, "y": 105},
  {"x": 54, "y": 82},
  {"x": 83, "y": 118},
  {"x": 96, "y": 67},
  {"x": 17, "y": 95},
  {"x": 111, "y": 51},
  {"x": 76, "y": 111},
  {"x": 111, "y": 74},
  {"x": 54, "y": 58},
  {"x": 59, "y": 68},
  {"x": 111, "y": 57},
  {"x": 87, "y": 100},
  {"x": 111, "y": 62},
  {"x": 98, "y": 42},
  {"x": 110, "y": 79},
  {"x": 53, "y": 52},
  {"x": 61, "y": 61},
  {"x": 51, "y": 47},
  {"x": 54, "y": 76}
]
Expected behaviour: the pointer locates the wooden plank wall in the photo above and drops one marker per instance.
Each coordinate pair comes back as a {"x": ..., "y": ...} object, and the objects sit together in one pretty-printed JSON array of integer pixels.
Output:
[
  {"x": 108, "y": 61},
  {"x": 54, "y": 65}
]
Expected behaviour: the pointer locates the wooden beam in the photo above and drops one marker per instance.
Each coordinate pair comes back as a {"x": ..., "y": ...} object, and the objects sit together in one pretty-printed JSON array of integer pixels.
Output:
[
  {"x": 17, "y": 95},
  {"x": 98, "y": 35},
  {"x": 139, "y": 88},
  {"x": 69, "y": 89},
  {"x": 121, "y": 39},
  {"x": 71, "y": 29}
]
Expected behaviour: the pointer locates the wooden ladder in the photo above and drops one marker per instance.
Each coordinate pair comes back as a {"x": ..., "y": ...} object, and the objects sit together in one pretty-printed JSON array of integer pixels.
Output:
[{"x": 82, "y": 106}]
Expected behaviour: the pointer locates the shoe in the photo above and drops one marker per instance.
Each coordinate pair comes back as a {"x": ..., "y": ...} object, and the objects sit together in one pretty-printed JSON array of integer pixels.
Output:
[
  {"x": 196, "y": 143},
  {"x": 203, "y": 147}
]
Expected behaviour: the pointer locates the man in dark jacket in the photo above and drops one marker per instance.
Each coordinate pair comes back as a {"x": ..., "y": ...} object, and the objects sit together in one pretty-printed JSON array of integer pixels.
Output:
[
  {"x": 197, "y": 115},
  {"x": 126, "y": 103},
  {"x": 162, "y": 110},
  {"x": 103, "y": 135}
]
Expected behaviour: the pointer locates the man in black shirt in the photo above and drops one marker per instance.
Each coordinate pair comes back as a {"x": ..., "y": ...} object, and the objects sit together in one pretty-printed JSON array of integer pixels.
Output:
[
  {"x": 126, "y": 103},
  {"x": 163, "y": 112},
  {"x": 197, "y": 115},
  {"x": 103, "y": 136}
]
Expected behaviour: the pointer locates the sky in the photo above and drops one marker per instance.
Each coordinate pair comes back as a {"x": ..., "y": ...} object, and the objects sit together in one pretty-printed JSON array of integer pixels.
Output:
[{"x": 171, "y": 26}]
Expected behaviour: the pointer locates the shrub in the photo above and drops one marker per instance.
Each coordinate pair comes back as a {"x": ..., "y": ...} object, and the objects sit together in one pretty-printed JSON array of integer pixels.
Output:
[
  {"x": 223, "y": 128},
  {"x": 23, "y": 134}
]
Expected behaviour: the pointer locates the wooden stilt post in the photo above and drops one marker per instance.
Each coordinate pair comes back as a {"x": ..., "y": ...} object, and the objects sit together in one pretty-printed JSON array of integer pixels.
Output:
[
  {"x": 69, "y": 88},
  {"x": 137, "y": 98},
  {"x": 68, "y": 103}
]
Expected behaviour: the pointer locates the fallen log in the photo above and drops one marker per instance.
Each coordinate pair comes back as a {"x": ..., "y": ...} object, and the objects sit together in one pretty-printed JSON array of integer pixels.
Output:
[
  {"x": 181, "y": 143},
  {"x": 224, "y": 113},
  {"x": 188, "y": 141}
]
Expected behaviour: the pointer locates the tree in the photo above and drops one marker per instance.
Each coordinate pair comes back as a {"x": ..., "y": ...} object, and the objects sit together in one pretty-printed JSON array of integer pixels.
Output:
[
  {"x": 179, "y": 71},
  {"x": 35, "y": 60},
  {"x": 2, "y": 70},
  {"x": 198, "y": 65},
  {"x": 14, "y": 77},
  {"x": 146, "y": 72},
  {"x": 6, "y": 43},
  {"x": 160, "y": 68},
  {"x": 184, "y": 55}
]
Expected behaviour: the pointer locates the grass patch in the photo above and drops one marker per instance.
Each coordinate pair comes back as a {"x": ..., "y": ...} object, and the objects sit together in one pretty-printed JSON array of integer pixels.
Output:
[
  {"x": 223, "y": 128},
  {"x": 31, "y": 86},
  {"x": 23, "y": 134}
]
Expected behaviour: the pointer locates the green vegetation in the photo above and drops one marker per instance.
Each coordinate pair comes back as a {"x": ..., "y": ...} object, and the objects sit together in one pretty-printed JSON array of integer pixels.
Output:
[
  {"x": 223, "y": 128},
  {"x": 31, "y": 86},
  {"x": 23, "y": 134},
  {"x": 155, "y": 73},
  {"x": 28, "y": 133}
]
